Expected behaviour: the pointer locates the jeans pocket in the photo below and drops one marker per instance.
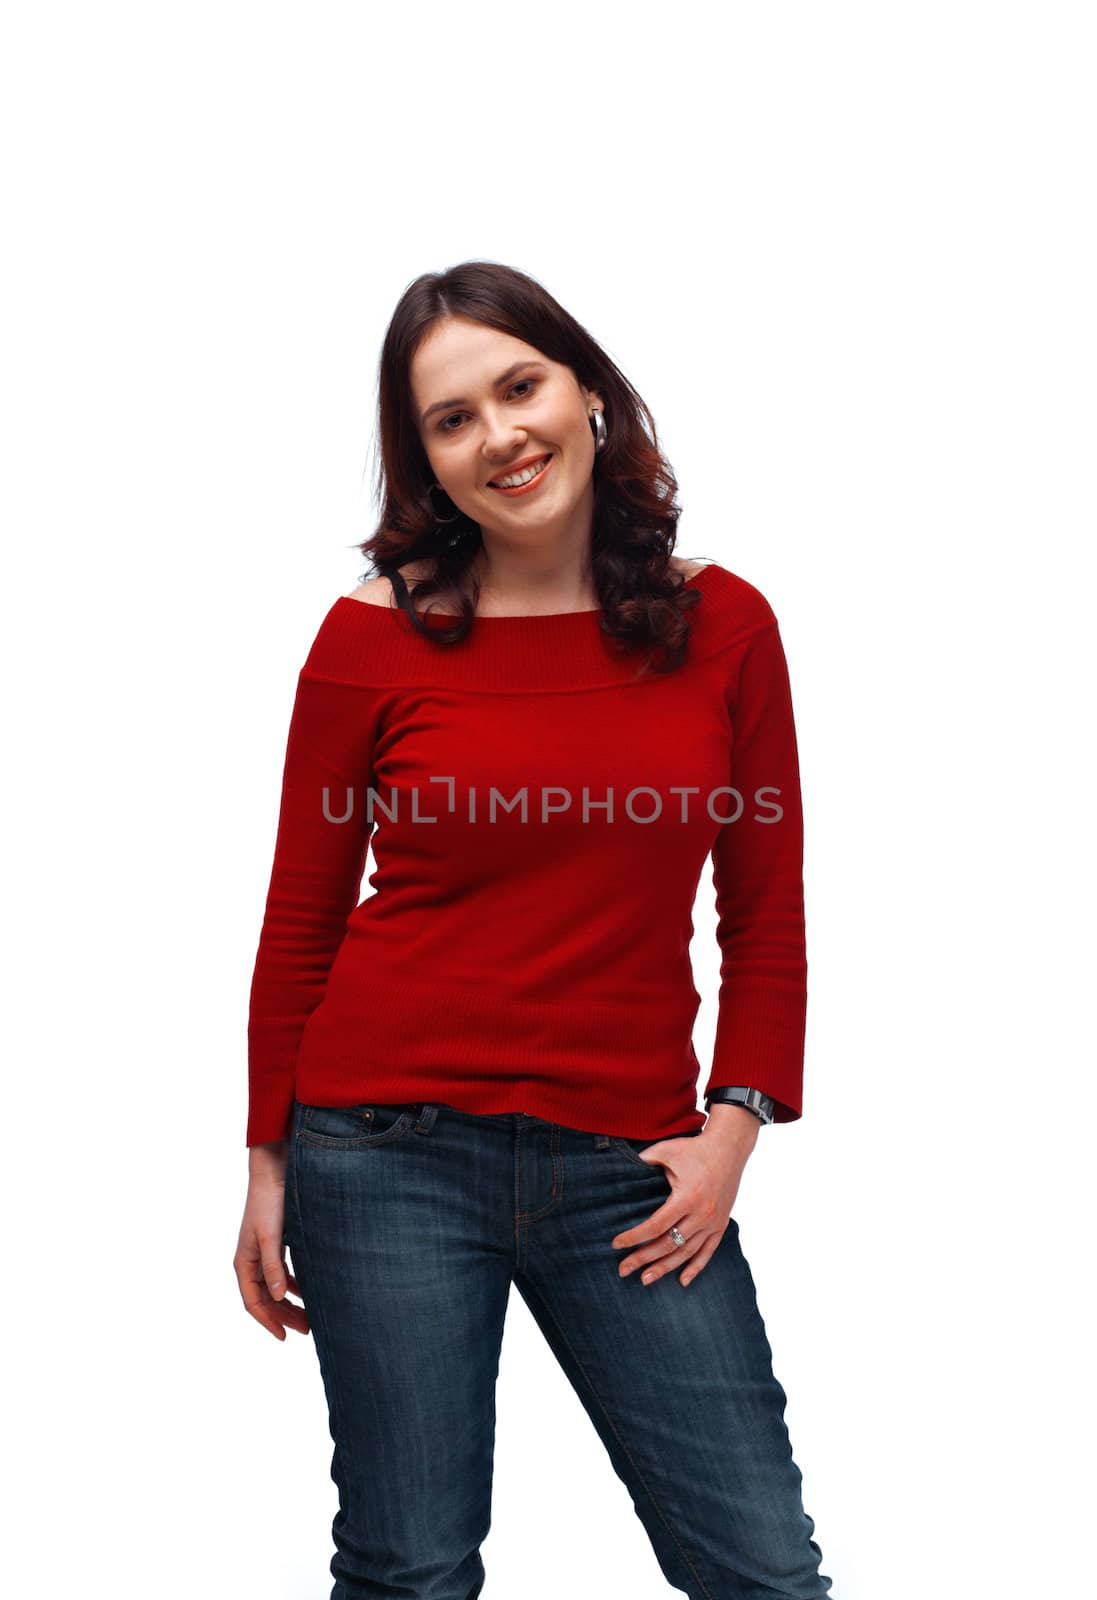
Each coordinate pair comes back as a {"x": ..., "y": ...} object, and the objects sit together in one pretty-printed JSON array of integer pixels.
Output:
[
  {"x": 631, "y": 1148},
  {"x": 355, "y": 1127}
]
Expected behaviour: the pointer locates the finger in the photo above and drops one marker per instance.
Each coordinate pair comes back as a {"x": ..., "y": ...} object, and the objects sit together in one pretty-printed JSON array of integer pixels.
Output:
[
  {"x": 275, "y": 1315},
  {"x": 258, "y": 1303},
  {"x": 701, "y": 1260},
  {"x": 675, "y": 1212},
  {"x": 670, "y": 1262},
  {"x": 290, "y": 1315},
  {"x": 274, "y": 1269},
  {"x": 662, "y": 1245},
  {"x": 297, "y": 1312},
  {"x": 666, "y": 1216}
]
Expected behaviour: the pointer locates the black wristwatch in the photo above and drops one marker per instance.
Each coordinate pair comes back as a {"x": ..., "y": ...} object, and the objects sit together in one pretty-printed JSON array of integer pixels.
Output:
[{"x": 751, "y": 1099}]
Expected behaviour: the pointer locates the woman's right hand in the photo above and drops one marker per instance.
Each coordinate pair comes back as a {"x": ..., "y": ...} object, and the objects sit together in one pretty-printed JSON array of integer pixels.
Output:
[{"x": 259, "y": 1263}]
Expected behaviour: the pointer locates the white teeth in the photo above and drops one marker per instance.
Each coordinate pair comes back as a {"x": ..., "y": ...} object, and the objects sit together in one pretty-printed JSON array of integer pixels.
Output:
[{"x": 521, "y": 477}]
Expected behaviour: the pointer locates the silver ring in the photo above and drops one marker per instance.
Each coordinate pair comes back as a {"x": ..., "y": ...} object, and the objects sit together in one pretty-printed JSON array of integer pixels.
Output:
[{"x": 678, "y": 1238}]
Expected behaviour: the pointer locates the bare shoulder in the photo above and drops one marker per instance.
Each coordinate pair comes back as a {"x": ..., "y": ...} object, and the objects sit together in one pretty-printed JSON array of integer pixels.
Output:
[
  {"x": 374, "y": 592},
  {"x": 688, "y": 569},
  {"x": 378, "y": 591}
]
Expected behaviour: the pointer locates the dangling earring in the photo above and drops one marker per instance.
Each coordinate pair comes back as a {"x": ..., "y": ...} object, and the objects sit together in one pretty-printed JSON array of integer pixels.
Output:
[
  {"x": 437, "y": 518},
  {"x": 598, "y": 428}
]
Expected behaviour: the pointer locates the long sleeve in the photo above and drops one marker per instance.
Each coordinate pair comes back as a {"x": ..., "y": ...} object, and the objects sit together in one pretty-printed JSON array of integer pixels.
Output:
[
  {"x": 315, "y": 884},
  {"x": 758, "y": 876}
]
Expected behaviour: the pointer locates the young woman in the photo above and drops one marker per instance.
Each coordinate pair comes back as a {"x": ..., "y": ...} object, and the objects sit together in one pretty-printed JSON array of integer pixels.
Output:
[{"x": 484, "y": 1072}]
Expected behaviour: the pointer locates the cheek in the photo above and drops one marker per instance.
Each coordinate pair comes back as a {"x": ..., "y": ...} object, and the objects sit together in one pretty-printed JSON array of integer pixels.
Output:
[
  {"x": 457, "y": 466},
  {"x": 570, "y": 431}
]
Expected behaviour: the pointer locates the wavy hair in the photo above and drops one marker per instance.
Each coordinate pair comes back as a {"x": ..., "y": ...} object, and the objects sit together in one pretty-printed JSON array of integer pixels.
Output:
[{"x": 643, "y": 601}]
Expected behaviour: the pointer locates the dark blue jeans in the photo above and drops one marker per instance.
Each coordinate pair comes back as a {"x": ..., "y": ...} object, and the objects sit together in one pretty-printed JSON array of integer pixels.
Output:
[{"x": 406, "y": 1225}]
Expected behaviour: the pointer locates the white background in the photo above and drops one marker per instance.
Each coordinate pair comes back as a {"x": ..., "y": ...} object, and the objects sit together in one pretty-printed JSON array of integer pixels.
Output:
[{"x": 846, "y": 253}]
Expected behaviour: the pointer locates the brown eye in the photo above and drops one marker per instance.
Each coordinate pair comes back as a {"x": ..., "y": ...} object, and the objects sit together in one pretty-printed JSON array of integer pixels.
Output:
[{"x": 523, "y": 383}]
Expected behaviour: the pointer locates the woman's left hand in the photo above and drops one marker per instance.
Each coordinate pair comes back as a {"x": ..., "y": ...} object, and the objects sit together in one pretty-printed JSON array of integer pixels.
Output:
[{"x": 704, "y": 1174}]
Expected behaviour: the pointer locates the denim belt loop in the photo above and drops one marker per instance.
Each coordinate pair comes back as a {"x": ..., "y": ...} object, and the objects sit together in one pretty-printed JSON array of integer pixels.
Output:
[
  {"x": 601, "y": 1141},
  {"x": 427, "y": 1114}
]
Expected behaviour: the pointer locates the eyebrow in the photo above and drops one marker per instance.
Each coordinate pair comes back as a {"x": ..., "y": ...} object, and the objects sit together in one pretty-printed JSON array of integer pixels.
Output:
[{"x": 504, "y": 377}]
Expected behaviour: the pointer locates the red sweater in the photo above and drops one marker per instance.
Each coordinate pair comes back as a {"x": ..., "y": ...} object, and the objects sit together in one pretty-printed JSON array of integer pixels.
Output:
[{"x": 526, "y": 943}]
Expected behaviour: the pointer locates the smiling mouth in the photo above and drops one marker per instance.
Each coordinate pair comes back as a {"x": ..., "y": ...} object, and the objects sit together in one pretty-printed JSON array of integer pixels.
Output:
[{"x": 529, "y": 475}]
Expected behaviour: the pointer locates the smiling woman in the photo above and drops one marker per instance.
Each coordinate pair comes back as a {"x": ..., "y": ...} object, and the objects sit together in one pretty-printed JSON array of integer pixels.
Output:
[
  {"x": 529, "y": 442},
  {"x": 483, "y": 1074},
  {"x": 483, "y": 378}
]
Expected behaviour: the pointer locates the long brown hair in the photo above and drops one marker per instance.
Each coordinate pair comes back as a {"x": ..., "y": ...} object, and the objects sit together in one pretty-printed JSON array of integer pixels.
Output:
[{"x": 643, "y": 600}]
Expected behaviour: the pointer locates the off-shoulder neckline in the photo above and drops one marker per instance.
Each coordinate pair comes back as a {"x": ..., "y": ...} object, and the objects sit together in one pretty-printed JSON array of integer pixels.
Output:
[{"x": 520, "y": 616}]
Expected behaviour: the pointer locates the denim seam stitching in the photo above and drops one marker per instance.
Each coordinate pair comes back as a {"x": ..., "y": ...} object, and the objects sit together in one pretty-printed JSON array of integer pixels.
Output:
[
  {"x": 344, "y": 1433},
  {"x": 330, "y": 1141},
  {"x": 609, "y": 1419},
  {"x": 626, "y": 1149},
  {"x": 557, "y": 1182}
]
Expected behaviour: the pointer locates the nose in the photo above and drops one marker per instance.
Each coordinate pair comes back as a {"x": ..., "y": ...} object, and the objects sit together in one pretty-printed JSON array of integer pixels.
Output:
[{"x": 500, "y": 439}]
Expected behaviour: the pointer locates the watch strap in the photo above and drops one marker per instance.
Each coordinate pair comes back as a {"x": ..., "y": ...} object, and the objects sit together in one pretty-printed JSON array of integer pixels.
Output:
[{"x": 751, "y": 1099}]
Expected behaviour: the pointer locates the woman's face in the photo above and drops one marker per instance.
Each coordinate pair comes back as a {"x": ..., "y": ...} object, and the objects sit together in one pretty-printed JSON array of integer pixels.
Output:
[{"x": 487, "y": 403}]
